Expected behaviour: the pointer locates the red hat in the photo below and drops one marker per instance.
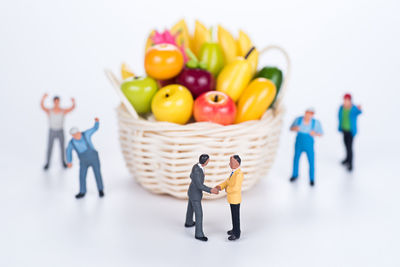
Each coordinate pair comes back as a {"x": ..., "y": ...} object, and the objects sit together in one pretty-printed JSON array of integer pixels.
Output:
[{"x": 347, "y": 96}]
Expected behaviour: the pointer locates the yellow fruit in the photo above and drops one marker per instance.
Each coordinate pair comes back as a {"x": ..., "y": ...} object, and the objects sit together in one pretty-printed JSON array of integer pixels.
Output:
[
  {"x": 244, "y": 44},
  {"x": 173, "y": 103},
  {"x": 228, "y": 45},
  {"x": 126, "y": 72},
  {"x": 255, "y": 100},
  {"x": 149, "y": 42},
  {"x": 183, "y": 36},
  {"x": 201, "y": 35},
  {"x": 234, "y": 78},
  {"x": 253, "y": 60}
]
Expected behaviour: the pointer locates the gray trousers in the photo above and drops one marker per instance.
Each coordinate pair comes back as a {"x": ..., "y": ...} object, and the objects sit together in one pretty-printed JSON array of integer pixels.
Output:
[
  {"x": 194, "y": 206},
  {"x": 56, "y": 134},
  {"x": 89, "y": 158}
]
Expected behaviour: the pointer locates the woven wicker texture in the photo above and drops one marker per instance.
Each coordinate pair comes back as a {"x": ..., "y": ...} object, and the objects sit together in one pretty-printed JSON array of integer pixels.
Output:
[{"x": 160, "y": 155}]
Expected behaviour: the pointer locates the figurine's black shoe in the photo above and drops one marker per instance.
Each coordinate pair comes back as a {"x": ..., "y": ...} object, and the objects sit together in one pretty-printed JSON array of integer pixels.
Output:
[
  {"x": 292, "y": 179},
  {"x": 201, "y": 238},
  {"x": 233, "y": 238},
  {"x": 344, "y": 162},
  {"x": 80, "y": 195},
  {"x": 349, "y": 167},
  {"x": 46, "y": 167},
  {"x": 187, "y": 225},
  {"x": 101, "y": 193},
  {"x": 312, "y": 183},
  {"x": 65, "y": 165},
  {"x": 230, "y": 232}
]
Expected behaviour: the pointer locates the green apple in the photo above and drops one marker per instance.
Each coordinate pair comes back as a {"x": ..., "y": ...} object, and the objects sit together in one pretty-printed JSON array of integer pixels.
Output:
[{"x": 140, "y": 91}]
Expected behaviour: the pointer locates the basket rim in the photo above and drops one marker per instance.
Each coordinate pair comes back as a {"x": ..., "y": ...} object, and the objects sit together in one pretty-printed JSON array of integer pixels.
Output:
[{"x": 272, "y": 113}]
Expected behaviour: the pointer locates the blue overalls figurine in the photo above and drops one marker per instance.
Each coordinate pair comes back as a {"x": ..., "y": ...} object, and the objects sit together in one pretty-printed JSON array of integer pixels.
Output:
[
  {"x": 88, "y": 157},
  {"x": 306, "y": 127}
]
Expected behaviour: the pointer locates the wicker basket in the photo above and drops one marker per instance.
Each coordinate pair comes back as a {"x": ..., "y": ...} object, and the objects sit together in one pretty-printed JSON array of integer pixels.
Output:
[{"x": 160, "y": 155}]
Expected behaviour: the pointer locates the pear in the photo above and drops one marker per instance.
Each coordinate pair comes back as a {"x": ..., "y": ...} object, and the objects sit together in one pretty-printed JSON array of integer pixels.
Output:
[{"x": 235, "y": 76}]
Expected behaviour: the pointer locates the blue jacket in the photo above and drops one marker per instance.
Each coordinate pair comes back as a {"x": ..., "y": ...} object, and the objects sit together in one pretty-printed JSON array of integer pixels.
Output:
[{"x": 354, "y": 112}]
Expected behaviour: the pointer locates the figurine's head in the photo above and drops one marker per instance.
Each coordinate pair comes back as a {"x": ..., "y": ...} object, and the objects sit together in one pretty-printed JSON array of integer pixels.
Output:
[
  {"x": 347, "y": 101},
  {"x": 56, "y": 101},
  {"x": 309, "y": 113},
  {"x": 235, "y": 162},
  {"x": 203, "y": 159},
  {"x": 76, "y": 134}
]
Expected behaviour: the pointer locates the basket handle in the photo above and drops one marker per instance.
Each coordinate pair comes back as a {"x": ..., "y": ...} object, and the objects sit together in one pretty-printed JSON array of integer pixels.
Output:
[
  {"x": 117, "y": 86},
  {"x": 286, "y": 74}
]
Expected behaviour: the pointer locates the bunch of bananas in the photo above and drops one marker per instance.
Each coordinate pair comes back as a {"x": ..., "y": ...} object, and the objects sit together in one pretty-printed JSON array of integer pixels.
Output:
[{"x": 230, "y": 46}]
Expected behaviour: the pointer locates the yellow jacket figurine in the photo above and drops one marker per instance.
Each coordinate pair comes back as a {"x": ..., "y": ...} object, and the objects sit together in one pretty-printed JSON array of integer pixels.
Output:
[{"x": 233, "y": 187}]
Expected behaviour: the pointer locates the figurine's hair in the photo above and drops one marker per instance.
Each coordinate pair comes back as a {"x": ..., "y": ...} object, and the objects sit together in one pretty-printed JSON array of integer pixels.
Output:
[
  {"x": 56, "y": 98},
  {"x": 237, "y": 158},
  {"x": 203, "y": 158}
]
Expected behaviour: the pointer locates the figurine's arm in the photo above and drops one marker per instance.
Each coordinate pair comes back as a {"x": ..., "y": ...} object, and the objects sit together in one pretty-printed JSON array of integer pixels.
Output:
[
  {"x": 92, "y": 130},
  {"x": 222, "y": 185},
  {"x": 359, "y": 111},
  {"x": 199, "y": 185},
  {"x": 317, "y": 131},
  {"x": 42, "y": 104},
  {"x": 69, "y": 153},
  {"x": 68, "y": 110},
  {"x": 295, "y": 125}
]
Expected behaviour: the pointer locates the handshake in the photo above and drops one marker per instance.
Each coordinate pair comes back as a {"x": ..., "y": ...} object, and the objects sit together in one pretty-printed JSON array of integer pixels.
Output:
[{"x": 215, "y": 190}]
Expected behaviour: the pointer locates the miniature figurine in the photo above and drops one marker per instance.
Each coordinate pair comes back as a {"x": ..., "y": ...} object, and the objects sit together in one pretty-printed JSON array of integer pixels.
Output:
[
  {"x": 56, "y": 125},
  {"x": 307, "y": 128},
  {"x": 195, "y": 194},
  {"x": 88, "y": 157},
  {"x": 348, "y": 114},
  {"x": 233, "y": 188}
]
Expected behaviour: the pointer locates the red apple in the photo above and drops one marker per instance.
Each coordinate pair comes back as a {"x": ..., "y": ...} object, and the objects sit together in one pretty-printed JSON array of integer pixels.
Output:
[{"x": 214, "y": 106}]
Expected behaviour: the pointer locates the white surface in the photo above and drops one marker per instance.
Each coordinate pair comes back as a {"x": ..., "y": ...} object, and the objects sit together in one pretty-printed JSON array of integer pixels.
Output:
[{"x": 62, "y": 48}]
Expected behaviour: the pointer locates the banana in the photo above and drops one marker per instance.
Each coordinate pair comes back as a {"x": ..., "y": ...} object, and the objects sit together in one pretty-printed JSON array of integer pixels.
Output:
[
  {"x": 201, "y": 35},
  {"x": 181, "y": 31},
  {"x": 149, "y": 41},
  {"x": 126, "y": 72},
  {"x": 228, "y": 44},
  {"x": 244, "y": 44}
]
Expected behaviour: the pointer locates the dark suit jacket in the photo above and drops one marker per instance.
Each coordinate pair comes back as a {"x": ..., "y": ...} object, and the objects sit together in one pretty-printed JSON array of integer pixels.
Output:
[{"x": 197, "y": 186}]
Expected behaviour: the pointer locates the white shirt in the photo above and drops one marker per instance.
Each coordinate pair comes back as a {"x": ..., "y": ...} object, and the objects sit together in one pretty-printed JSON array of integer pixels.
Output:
[
  {"x": 201, "y": 167},
  {"x": 56, "y": 120}
]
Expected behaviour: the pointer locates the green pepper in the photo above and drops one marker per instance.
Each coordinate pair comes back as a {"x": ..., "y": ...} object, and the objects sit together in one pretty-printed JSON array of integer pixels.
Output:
[{"x": 274, "y": 74}]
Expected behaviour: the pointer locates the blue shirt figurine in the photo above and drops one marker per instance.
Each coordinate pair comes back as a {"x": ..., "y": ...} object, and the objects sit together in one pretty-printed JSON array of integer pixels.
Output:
[
  {"x": 348, "y": 114},
  {"x": 307, "y": 128},
  {"x": 88, "y": 157}
]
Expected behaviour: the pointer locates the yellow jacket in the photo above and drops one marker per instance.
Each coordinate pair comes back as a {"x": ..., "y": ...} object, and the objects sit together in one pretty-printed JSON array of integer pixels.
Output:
[{"x": 233, "y": 187}]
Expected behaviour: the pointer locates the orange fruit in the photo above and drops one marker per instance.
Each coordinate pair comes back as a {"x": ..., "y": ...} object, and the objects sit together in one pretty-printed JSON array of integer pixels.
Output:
[{"x": 163, "y": 61}]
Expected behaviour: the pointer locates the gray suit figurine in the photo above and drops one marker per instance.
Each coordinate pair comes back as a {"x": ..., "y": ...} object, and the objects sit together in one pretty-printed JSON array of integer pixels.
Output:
[{"x": 195, "y": 194}]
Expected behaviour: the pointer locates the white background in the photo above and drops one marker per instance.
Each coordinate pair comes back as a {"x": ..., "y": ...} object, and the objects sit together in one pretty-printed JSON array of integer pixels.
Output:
[{"x": 62, "y": 47}]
